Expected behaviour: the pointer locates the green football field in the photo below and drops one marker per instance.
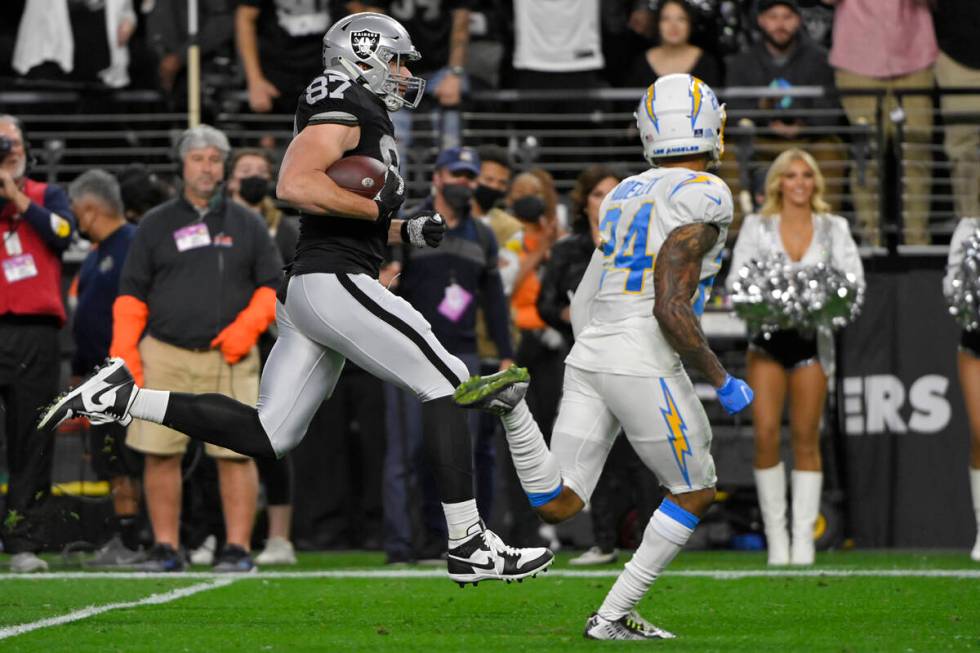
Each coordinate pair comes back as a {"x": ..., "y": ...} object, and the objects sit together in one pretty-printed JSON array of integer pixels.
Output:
[{"x": 713, "y": 601}]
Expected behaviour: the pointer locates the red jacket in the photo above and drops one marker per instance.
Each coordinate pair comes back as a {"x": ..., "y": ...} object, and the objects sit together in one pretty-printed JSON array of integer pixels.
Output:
[{"x": 30, "y": 255}]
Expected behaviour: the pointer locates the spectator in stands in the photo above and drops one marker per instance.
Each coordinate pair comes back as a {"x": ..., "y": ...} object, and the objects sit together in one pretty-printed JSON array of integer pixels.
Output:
[
  {"x": 558, "y": 46},
  {"x": 97, "y": 204},
  {"x": 675, "y": 53},
  {"x": 37, "y": 226},
  {"x": 628, "y": 30},
  {"x": 199, "y": 337},
  {"x": 541, "y": 349},
  {"x": 441, "y": 30},
  {"x": 888, "y": 45},
  {"x": 141, "y": 190},
  {"x": 167, "y": 30},
  {"x": 794, "y": 222},
  {"x": 958, "y": 65},
  {"x": 279, "y": 43},
  {"x": 492, "y": 186},
  {"x": 446, "y": 285},
  {"x": 250, "y": 184},
  {"x": 489, "y": 27},
  {"x": 77, "y": 41},
  {"x": 785, "y": 57},
  {"x": 968, "y": 361}
]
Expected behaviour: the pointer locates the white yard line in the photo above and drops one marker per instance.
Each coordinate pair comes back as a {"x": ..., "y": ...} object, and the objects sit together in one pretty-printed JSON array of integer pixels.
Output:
[
  {"x": 92, "y": 610},
  {"x": 367, "y": 574}
]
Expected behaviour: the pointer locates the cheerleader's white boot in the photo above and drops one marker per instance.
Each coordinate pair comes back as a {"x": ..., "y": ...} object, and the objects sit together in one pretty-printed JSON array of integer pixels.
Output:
[
  {"x": 806, "y": 487},
  {"x": 770, "y": 484}
]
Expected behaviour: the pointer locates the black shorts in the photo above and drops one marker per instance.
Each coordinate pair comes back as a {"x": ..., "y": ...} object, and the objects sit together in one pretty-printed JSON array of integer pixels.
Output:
[
  {"x": 789, "y": 348},
  {"x": 970, "y": 343},
  {"x": 109, "y": 453}
]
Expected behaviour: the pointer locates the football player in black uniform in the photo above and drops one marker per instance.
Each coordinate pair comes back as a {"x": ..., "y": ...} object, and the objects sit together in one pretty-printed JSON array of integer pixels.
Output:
[{"x": 331, "y": 306}]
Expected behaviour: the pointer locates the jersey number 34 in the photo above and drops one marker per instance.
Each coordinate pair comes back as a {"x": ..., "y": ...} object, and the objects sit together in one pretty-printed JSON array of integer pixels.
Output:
[{"x": 632, "y": 255}]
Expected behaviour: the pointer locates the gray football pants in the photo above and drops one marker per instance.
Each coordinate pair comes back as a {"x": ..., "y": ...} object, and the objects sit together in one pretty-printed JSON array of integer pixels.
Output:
[{"x": 329, "y": 318}]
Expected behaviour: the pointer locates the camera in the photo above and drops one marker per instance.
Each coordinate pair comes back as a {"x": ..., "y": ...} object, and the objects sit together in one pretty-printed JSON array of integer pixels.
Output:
[{"x": 6, "y": 146}]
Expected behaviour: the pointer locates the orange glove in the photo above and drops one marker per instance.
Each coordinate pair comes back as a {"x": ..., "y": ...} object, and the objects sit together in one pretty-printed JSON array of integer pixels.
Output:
[
  {"x": 238, "y": 338},
  {"x": 128, "y": 321}
]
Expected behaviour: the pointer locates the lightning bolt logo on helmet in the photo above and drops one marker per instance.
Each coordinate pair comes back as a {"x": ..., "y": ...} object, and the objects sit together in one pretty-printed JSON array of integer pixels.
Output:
[
  {"x": 697, "y": 98},
  {"x": 676, "y": 431}
]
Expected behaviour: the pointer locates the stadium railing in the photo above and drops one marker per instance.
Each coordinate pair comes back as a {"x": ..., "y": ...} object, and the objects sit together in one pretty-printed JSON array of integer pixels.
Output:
[{"x": 70, "y": 132}]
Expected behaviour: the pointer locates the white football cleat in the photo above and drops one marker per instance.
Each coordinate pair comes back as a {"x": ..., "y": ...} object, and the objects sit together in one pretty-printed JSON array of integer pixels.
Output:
[
  {"x": 106, "y": 395},
  {"x": 632, "y": 626},
  {"x": 484, "y": 556}
]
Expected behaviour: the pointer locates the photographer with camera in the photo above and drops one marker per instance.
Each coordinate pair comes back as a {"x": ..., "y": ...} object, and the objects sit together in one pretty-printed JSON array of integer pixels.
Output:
[{"x": 36, "y": 225}]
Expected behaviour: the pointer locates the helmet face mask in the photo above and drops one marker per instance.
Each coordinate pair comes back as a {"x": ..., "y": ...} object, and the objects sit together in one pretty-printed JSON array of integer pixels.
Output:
[
  {"x": 680, "y": 116},
  {"x": 373, "y": 48}
]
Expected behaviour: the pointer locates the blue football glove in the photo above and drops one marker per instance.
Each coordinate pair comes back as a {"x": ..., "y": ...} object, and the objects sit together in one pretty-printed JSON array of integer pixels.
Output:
[{"x": 734, "y": 395}]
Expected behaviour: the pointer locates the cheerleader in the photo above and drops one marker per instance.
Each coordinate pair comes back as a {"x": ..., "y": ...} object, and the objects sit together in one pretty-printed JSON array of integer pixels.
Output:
[
  {"x": 968, "y": 359},
  {"x": 793, "y": 222}
]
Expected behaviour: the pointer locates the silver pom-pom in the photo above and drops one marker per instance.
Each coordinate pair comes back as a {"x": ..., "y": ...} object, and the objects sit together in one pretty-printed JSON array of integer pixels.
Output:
[
  {"x": 963, "y": 295},
  {"x": 770, "y": 295}
]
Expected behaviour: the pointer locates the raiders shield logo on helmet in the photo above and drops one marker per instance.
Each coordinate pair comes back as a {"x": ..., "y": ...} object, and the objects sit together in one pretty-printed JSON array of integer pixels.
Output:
[{"x": 364, "y": 43}]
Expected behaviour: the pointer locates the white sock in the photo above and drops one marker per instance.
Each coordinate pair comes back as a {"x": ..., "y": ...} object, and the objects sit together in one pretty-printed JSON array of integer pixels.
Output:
[
  {"x": 150, "y": 405},
  {"x": 536, "y": 467},
  {"x": 975, "y": 491},
  {"x": 664, "y": 537},
  {"x": 461, "y": 518}
]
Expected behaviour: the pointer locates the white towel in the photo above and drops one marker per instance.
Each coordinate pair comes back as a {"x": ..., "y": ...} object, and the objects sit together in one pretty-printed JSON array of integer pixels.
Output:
[{"x": 44, "y": 34}]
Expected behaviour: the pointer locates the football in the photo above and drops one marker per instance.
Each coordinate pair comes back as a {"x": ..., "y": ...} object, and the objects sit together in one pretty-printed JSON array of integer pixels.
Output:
[{"x": 358, "y": 174}]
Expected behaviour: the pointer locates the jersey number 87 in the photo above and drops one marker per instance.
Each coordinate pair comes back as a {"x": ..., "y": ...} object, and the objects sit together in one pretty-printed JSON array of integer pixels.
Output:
[{"x": 632, "y": 255}]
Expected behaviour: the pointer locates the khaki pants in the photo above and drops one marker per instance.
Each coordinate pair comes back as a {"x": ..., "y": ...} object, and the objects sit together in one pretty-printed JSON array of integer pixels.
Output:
[
  {"x": 914, "y": 155},
  {"x": 166, "y": 367},
  {"x": 829, "y": 152},
  {"x": 962, "y": 140}
]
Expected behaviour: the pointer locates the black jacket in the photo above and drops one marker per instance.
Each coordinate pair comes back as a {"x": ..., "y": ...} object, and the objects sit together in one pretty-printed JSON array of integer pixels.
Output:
[
  {"x": 565, "y": 268},
  {"x": 806, "y": 66}
]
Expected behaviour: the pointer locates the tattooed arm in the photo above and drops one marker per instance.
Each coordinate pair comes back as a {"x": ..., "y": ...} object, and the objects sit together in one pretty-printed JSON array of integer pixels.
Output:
[{"x": 675, "y": 278}]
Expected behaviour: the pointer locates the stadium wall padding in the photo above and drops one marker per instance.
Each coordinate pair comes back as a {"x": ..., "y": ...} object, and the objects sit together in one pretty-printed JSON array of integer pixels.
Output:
[{"x": 902, "y": 417}]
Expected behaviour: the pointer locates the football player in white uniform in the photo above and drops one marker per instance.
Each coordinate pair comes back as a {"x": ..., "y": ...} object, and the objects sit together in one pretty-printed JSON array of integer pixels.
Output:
[{"x": 636, "y": 318}]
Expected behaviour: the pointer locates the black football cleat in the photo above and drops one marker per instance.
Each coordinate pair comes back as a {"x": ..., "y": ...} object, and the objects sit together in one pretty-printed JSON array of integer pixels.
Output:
[
  {"x": 485, "y": 557},
  {"x": 106, "y": 395}
]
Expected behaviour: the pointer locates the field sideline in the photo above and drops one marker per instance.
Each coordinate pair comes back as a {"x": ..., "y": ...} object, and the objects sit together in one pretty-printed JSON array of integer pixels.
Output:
[{"x": 853, "y": 601}]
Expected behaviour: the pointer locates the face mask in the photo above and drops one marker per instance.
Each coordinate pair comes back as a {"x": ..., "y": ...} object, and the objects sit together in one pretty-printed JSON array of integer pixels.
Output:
[
  {"x": 487, "y": 197},
  {"x": 458, "y": 197},
  {"x": 529, "y": 208},
  {"x": 253, "y": 189}
]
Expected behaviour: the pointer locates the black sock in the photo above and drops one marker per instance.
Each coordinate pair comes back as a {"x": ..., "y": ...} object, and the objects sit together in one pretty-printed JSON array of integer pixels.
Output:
[
  {"x": 219, "y": 420},
  {"x": 449, "y": 448}
]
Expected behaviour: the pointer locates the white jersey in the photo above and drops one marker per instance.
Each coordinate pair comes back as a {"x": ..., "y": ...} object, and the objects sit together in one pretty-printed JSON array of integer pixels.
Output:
[{"x": 619, "y": 334}]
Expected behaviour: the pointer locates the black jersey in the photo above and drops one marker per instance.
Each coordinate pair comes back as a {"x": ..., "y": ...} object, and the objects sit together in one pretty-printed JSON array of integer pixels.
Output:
[{"x": 329, "y": 243}]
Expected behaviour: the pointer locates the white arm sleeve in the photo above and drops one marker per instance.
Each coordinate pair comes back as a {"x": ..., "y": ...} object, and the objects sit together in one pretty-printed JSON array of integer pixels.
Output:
[
  {"x": 845, "y": 253},
  {"x": 581, "y": 306}
]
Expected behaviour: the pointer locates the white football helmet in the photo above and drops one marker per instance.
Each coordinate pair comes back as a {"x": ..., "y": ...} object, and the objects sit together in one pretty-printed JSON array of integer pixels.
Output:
[
  {"x": 362, "y": 46},
  {"x": 679, "y": 115}
]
